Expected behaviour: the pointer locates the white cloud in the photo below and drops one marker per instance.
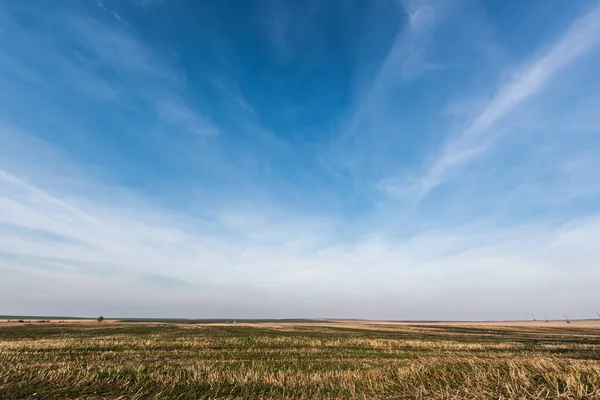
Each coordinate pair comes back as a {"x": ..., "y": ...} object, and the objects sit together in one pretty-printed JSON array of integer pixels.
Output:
[
  {"x": 235, "y": 95},
  {"x": 179, "y": 115},
  {"x": 92, "y": 243},
  {"x": 117, "y": 16},
  {"x": 118, "y": 48},
  {"x": 421, "y": 15},
  {"x": 369, "y": 122},
  {"x": 582, "y": 36},
  {"x": 141, "y": 77}
]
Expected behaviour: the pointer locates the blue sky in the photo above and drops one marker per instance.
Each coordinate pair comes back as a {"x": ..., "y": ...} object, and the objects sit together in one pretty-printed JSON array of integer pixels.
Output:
[{"x": 410, "y": 159}]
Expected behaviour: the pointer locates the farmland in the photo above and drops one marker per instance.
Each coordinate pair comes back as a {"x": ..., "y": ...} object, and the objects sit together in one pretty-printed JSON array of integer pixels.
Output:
[{"x": 346, "y": 360}]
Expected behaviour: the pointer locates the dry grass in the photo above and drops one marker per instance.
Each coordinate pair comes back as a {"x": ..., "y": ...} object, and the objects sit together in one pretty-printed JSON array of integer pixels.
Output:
[{"x": 309, "y": 361}]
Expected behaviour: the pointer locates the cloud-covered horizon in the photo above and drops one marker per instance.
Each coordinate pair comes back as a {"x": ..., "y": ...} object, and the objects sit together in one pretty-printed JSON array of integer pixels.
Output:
[{"x": 394, "y": 160}]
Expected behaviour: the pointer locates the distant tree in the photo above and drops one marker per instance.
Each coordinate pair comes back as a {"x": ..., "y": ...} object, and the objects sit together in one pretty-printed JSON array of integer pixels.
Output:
[{"x": 100, "y": 318}]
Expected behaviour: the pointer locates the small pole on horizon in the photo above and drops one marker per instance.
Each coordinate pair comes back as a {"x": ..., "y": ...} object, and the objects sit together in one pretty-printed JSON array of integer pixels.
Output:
[
  {"x": 533, "y": 316},
  {"x": 567, "y": 319},
  {"x": 546, "y": 318}
]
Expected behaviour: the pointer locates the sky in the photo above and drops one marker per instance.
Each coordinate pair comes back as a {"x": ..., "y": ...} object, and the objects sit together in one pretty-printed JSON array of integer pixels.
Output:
[{"x": 391, "y": 159}]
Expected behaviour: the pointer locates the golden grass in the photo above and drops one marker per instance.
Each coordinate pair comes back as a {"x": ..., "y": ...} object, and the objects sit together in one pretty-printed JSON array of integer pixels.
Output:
[{"x": 309, "y": 361}]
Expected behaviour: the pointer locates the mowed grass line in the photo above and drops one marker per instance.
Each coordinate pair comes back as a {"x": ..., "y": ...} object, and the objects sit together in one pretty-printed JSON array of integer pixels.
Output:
[{"x": 106, "y": 361}]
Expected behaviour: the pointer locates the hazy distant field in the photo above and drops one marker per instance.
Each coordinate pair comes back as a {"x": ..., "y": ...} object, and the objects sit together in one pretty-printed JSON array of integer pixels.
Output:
[{"x": 298, "y": 360}]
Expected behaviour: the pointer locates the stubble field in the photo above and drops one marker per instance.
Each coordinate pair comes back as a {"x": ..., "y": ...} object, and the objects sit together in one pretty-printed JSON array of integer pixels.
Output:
[{"x": 299, "y": 360}]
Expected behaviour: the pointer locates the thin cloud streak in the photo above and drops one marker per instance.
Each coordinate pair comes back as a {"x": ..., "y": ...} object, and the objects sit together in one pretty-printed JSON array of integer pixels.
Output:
[
  {"x": 582, "y": 36},
  {"x": 236, "y": 96},
  {"x": 407, "y": 46},
  {"x": 179, "y": 115},
  {"x": 5, "y": 176}
]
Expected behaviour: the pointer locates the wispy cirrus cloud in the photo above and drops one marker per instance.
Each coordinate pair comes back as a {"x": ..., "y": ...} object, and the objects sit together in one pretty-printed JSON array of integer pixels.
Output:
[
  {"x": 235, "y": 94},
  {"x": 401, "y": 58},
  {"x": 117, "y": 47},
  {"x": 422, "y": 15},
  {"x": 109, "y": 246},
  {"x": 370, "y": 126},
  {"x": 582, "y": 36},
  {"x": 107, "y": 62},
  {"x": 181, "y": 116}
]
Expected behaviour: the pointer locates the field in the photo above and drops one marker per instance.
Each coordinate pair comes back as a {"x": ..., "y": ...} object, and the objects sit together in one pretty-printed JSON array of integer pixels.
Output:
[{"x": 311, "y": 360}]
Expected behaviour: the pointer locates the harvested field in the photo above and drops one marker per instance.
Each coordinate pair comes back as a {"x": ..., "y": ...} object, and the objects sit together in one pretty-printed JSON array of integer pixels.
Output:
[{"x": 299, "y": 360}]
